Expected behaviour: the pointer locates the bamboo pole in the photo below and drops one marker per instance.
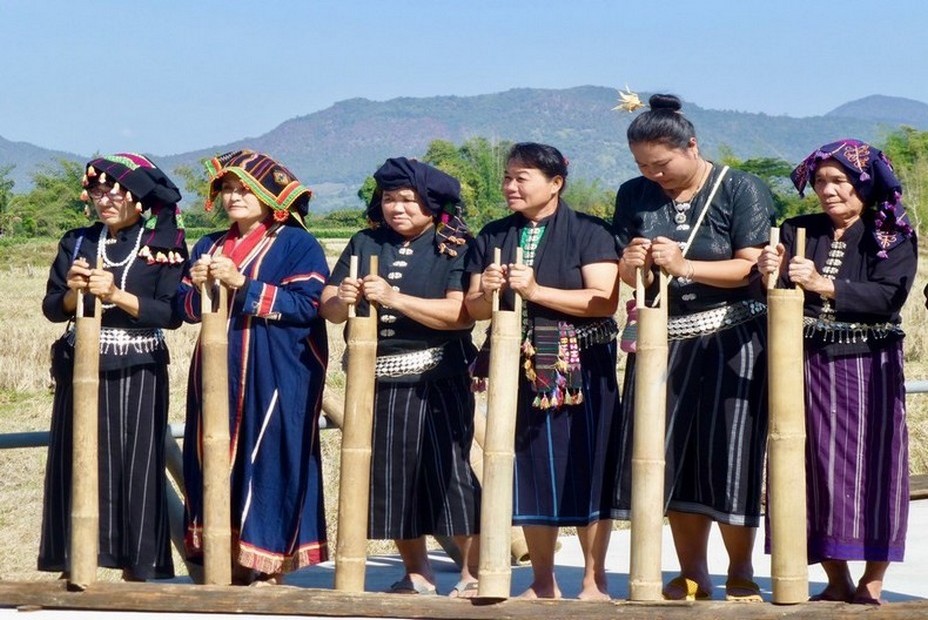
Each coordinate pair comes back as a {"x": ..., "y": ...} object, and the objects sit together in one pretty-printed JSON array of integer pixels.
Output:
[
  {"x": 518, "y": 548},
  {"x": 647, "y": 501},
  {"x": 355, "y": 471},
  {"x": 85, "y": 483},
  {"x": 217, "y": 507},
  {"x": 786, "y": 441},
  {"x": 502, "y": 400}
]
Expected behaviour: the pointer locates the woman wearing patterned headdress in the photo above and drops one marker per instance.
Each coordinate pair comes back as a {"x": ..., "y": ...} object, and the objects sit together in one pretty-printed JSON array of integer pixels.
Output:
[
  {"x": 716, "y": 416},
  {"x": 568, "y": 393},
  {"x": 858, "y": 267},
  {"x": 274, "y": 270},
  {"x": 142, "y": 260},
  {"x": 421, "y": 478}
]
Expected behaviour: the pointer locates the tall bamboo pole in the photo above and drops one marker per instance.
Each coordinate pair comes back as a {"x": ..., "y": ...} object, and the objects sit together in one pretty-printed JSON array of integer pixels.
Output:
[
  {"x": 786, "y": 441},
  {"x": 355, "y": 471},
  {"x": 647, "y": 501},
  {"x": 499, "y": 455},
  {"x": 85, "y": 484},
  {"x": 217, "y": 502},
  {"x": 518, "y": 548}
]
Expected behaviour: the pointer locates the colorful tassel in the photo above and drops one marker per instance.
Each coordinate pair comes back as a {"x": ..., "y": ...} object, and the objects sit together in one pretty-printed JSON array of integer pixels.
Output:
[
  {"x": 85, "y": 197},
  {"x": 91, "y": 172}
]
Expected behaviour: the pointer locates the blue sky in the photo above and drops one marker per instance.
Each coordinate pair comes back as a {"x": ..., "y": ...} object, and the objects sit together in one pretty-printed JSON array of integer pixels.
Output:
[{"x": 170, "y": 76}]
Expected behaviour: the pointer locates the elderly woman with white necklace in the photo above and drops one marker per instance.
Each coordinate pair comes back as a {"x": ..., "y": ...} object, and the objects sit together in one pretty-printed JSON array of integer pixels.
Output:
[{"x": 142, "y": 259}]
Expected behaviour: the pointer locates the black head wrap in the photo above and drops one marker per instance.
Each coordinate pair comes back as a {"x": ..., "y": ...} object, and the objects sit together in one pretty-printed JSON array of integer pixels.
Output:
[
  {"x": 151, "y": 190},
  {"x": 440, "y": 192}
]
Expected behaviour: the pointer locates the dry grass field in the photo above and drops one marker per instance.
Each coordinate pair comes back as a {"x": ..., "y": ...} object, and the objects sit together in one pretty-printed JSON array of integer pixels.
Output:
[{"x": 25, "y": 397}]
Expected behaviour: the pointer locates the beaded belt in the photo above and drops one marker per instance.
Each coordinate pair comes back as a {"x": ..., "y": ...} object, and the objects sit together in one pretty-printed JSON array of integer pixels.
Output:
[
  {"x": 844, "y": 333},
  {"x": 414, "y": 363},
  {"x": 711, "y": 321},
  {"x": 119, "y": 340},
  {"x": 600, "y": 332}
]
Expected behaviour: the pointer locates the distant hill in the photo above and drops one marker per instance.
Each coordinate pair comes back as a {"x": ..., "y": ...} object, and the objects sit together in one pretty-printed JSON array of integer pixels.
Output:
[
  {"x": 333, "y": 150},
  {"x": 882, "y": 109}
]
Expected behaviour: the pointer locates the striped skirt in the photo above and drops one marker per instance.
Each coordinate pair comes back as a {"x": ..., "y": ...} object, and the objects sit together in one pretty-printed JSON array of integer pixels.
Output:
[
  {"x": 716, "y": 426},
  {"x": 857, "y": 459},
  {"x": 421, "y": 478},
  {"x": 134, "y": 531},
  {"x": 562, "y": 455}
]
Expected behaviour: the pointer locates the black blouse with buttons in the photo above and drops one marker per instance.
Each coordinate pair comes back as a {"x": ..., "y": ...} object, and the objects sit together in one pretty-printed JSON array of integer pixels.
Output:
[
  {"x": 739, "y": 217},
  {"x": 413, "y": 267}
]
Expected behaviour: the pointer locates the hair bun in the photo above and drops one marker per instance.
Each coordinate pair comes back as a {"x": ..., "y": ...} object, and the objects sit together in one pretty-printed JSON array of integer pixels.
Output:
[{"x": 665, "y": 102}]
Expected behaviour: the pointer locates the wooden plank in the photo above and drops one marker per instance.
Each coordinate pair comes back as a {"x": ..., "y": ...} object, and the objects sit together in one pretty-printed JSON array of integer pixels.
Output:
[
  {"x": 918, "y": 486},
  {"x": 290, "y": 600}
]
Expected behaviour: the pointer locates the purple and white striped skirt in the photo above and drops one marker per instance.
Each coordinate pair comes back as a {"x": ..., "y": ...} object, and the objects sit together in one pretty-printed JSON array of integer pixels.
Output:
[{"x": 857, "y": 456}]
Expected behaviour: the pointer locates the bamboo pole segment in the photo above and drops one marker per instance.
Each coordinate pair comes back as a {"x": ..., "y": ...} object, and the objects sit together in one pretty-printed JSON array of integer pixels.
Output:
[
  {"x": 217, "y": 503},
  {"x": 518, "y": 548},
  {"x": 355, "y": 473},
  {"x": 85, "y": 483},
  {"x": 786, "y": 440},
  {"x": 774, "y": 241},
  {"x": 499, "y": 455},
  {"x": 353, "y": 274},
  {"x": 647, "y": 500}
]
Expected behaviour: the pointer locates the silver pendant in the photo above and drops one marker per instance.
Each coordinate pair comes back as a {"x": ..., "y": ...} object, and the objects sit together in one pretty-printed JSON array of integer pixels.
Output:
[{"x": 680, "y": 217}]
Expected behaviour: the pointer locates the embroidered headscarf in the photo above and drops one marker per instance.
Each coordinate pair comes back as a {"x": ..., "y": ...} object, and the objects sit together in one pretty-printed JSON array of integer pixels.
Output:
[
  {"x": 440, "y": 192},
  {"x": 871, "y": 174},
  {"x": 273, "y": 184},
  {"x": 151, "y": 190}
]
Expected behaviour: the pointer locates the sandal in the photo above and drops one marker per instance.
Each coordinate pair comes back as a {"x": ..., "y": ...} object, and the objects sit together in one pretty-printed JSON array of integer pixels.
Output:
[
  {"x": 407, "y": 586},
  {"x": 686, "y": 590},
  {"x": 464, "y": 589},
  {"x": 741, "y": 590}
]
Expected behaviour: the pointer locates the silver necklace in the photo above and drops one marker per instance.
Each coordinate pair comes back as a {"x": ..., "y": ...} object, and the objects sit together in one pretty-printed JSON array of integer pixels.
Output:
[
  {"x": 682, "y": 207},
  {"x": 127, "y": 262}
]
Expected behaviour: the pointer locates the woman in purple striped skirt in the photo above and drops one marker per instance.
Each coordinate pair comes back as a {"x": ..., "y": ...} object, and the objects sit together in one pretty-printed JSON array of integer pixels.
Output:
[{"x": 858, "y": 267}]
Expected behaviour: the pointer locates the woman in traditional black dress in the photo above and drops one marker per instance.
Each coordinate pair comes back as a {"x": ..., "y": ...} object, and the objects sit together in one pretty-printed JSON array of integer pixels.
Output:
[
  {"x": 567, "y": 393},
  {"x": 717, "y": 387},
  {"x": 421, "y": 478},
  {"x": 142, "y": 263}
]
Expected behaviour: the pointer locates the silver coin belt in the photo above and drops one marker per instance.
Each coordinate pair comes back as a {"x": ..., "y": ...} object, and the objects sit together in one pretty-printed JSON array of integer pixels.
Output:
[
  {"x": 845, "y": 333},
  {"x": 119, "y": 341},
  {"x": 600, "y": 332},
  {"x": 414, "y": 363},
  {"x": 715, "y": 320}
]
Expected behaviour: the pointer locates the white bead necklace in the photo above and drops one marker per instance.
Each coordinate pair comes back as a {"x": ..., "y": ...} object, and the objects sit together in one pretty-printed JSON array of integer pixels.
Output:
[{"x": 126, "y": 263}]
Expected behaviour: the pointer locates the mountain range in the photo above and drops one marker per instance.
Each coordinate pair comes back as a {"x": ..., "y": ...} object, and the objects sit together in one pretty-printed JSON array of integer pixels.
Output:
[{"x": 333, "y": 150}]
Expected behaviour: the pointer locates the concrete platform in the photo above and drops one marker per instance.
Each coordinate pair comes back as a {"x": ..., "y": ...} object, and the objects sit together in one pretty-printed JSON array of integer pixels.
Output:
[{"x": 906, "y": 581}]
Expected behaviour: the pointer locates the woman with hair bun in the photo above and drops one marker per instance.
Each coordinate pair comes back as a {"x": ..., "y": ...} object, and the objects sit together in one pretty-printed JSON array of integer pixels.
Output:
[{"x": 717, "y": 387}]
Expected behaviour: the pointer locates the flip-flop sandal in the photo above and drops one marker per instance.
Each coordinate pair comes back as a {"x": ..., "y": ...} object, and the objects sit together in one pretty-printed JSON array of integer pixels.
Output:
[
  {"x": 407, "y": 586},
  {"x": 742, "y": 590},
  {"x": 464, "y": 589},
  {"x": 688, "y": 590}
]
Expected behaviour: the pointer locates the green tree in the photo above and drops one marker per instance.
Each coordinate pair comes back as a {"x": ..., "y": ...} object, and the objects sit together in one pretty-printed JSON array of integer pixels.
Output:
[
  {"x": 53, "y": 206},
  {"x": 196, "y": 192},
  {"x": 907, "y": 148},
  {"x": 774, "y": 172},
  {"x": 6, "y": 193},
  {"x": 590, "y": 197}
]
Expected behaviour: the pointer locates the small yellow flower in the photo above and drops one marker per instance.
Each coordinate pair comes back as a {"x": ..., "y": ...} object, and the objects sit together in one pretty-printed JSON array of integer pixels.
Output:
[{"x": 628, "y": 101}]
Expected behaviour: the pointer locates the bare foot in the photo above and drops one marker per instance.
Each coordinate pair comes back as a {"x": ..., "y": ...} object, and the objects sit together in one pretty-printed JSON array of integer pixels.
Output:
[
  {"x": 594, "y": 594},
  {"x": 536, "y": 592},
  {"x": 833, "y": 594},
  {"x": 268, "y": 579}
]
